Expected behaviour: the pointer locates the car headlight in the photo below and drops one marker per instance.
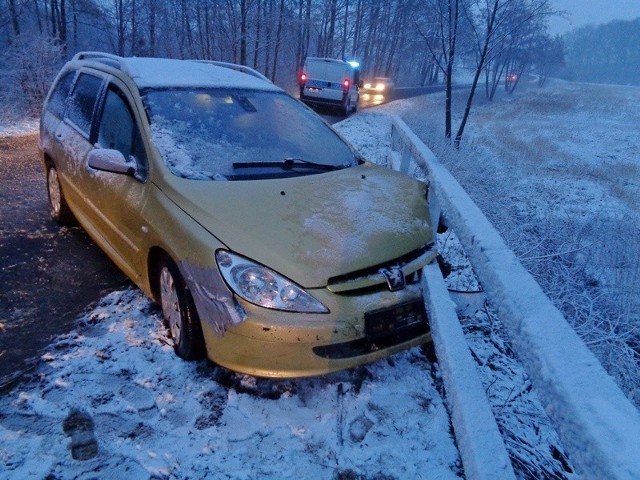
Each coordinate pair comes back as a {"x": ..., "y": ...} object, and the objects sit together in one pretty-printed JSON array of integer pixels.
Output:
[
  {"x": 367, "y": 85},
  {"x": 262, "y": 286},
  {"x": 380, "y": 87}
]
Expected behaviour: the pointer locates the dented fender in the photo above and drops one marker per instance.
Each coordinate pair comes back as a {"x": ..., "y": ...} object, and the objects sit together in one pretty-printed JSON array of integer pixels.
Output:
[{"x": 214, "y": 302}]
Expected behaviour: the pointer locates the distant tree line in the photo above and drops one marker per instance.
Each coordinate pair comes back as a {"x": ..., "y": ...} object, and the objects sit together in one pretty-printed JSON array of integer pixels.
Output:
[
  {"x": 415, "y": 41},
  {"x": 608, "y": 53}
]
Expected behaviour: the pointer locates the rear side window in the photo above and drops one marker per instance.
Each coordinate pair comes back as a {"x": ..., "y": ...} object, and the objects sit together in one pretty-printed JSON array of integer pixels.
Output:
[
  {"x": 58, "y": 98},
  {"x": 83, "y": 101}
]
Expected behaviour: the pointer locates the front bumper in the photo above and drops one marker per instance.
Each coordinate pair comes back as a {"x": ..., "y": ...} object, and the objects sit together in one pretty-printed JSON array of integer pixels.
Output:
[
  {"x": 368, "y": 319},
  {"x": 283, "y": 344}
]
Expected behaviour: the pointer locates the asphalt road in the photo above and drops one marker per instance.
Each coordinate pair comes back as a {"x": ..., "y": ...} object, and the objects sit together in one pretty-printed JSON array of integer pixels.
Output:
[
  {"x": 368, "y": 100},
  {"x": 48, "y": 274}
]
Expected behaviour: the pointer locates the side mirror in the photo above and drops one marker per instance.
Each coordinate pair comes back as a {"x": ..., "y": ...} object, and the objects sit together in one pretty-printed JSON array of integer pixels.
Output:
[{"x": 112, "y": 161}]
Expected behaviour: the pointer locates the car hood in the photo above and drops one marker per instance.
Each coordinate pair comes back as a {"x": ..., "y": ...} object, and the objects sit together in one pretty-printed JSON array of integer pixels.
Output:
[{"x": 314, "y": 227}]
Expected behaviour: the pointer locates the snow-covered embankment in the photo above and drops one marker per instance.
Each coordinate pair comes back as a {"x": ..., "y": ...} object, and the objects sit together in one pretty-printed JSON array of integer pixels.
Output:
[{"x": 598, "y": 425}]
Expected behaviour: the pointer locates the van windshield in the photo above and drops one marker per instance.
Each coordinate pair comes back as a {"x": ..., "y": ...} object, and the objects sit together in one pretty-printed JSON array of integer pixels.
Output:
[{"x": 215, "y": 134}]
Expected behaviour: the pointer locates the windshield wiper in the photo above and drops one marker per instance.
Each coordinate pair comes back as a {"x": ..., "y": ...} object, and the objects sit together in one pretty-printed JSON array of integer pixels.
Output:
[{"x": 287, "y": 164}]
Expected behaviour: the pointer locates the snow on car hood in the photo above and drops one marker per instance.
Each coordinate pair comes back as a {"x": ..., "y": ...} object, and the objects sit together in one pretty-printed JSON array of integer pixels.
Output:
[{"x": 311, "y": 228}]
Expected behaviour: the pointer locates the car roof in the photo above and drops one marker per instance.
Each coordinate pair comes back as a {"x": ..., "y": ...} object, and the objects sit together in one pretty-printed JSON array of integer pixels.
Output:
[{"x": 149, "y": 72}]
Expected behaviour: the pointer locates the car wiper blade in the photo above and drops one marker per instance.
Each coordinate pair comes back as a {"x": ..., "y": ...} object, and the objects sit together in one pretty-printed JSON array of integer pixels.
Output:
[{"x": 287, "y": 164}]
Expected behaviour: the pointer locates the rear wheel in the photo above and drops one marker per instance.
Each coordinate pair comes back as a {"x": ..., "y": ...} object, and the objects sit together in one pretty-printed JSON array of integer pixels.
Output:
[
  {"x": 58, "y": 207},
  {"x": 346, "y": 108},
  {"x": 179, "y": 312}
]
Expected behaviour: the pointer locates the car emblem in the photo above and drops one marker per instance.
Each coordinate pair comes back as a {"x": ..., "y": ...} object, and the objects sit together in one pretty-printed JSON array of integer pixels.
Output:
[{"x": 394, "y": 277}]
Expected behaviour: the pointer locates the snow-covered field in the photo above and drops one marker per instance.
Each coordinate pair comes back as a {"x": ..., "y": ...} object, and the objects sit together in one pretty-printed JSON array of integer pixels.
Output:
[{"x": 154, "y": 416}]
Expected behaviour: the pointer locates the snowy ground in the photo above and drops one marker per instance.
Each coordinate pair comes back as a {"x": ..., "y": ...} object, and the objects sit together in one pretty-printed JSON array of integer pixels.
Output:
[{"x": 154, "y": 416}]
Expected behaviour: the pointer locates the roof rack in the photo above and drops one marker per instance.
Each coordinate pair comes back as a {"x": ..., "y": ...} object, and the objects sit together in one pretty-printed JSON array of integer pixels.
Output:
[
  {"x": 117, "y": 62},
  {"x": 235, "y": 66},
  {"x": 102, "y": 57}
]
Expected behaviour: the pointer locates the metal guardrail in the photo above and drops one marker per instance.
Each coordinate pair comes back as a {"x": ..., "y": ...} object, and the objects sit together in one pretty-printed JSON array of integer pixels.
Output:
[
  {"x": 599, "y": 427},
  {"x": 482, "y": 449}
]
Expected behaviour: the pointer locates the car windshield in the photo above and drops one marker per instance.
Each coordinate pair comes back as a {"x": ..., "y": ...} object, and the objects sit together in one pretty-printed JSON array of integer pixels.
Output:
[{"x": 215, "y": 134}]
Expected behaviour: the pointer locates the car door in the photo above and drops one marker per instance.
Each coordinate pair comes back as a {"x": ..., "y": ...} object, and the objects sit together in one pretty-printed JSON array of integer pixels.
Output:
[
  {"x": 72, "y": 142},
  {"x": 119, "y": 198}
]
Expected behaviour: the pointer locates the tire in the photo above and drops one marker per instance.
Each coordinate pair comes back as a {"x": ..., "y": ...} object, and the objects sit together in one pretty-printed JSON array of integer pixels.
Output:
[
  {"x": 58, "y": 207},
  {"x": 179, "y": 311},
  {"x": 346, "y": 108}
]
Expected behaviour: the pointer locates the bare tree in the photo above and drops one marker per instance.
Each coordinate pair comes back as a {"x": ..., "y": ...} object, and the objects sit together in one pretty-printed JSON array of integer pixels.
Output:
[
  {"x": 548, "y": 55},
  {"x": 13, "y": 12},
  {"x": 518, "y": 36},
  {"x": 440, "y": 33},
  {"x": 487, "y": 18}
]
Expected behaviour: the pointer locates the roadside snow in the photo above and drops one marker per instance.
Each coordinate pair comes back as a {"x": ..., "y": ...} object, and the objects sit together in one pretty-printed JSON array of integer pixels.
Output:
[
  {"x": 21, "y": 127},
  {"x": 156, "y": 415}
]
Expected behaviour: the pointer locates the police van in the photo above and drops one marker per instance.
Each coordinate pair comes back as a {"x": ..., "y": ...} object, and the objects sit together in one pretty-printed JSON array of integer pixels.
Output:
[{"x": 330, "y": 82}]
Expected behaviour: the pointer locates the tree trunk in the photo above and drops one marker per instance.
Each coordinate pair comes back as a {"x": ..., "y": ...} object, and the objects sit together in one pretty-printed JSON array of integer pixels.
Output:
[
  {"x": 332, "y": 28},
  {"x": 63, "y": 24},
  {"x": 36, "y": 9},
  {"x": 243, "y": 32},
  {"x": 269, "y": 19},
  {"x": 13, "y": 11},
  {"x": 355, "y": 49},
  {"x": 152, "y": 27},
  {"x": 134, "y": 28},
  {"x": 453, "y": 16},
  {"x": 54, "y": 18},
  {"x": 344, "y": 29},
  {"x": 483, "y": 56},
  {"x": 256, "y": 47},
  {"x": 278, "y": 38}
]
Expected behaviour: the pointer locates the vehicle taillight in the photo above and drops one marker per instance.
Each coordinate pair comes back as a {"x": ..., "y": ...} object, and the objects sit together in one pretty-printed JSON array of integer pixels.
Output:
[
  {"x": 302, "y": 78},
  {"x": 345, "y": 85}
]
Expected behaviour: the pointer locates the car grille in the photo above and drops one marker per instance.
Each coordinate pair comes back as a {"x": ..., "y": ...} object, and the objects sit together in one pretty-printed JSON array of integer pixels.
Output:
[{"x": 372, "y": 279}]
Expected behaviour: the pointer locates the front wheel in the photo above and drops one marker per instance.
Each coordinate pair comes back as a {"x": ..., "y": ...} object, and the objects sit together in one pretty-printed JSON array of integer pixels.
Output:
[
  {"x": 58, "y": 207},
  {"x": 179, "y": 312}
]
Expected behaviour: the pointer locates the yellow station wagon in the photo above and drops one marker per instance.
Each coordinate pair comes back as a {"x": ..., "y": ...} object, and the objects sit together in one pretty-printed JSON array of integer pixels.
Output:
[{"x": 271, "y": 246}]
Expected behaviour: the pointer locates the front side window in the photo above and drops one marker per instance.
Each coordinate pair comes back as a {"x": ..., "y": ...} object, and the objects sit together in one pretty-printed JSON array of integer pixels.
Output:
[
  {"x": 119, "y": 131},
  {"x": 83, "y": 101},
  {"x": 215, "y": 134}
]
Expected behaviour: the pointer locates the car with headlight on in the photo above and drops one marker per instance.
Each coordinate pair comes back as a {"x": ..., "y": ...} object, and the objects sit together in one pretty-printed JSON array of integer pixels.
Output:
[
  {"x": 269, "y": 244},
  {"x": 380, "y": 85}
]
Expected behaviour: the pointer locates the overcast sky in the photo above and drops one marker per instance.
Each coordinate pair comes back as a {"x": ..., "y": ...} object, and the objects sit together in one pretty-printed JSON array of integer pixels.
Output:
[{"x": 583, "y": 12}]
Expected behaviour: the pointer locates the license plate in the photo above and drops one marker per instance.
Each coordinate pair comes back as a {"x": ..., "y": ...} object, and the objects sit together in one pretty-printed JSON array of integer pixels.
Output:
[{"x": 394, "y": 320}]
